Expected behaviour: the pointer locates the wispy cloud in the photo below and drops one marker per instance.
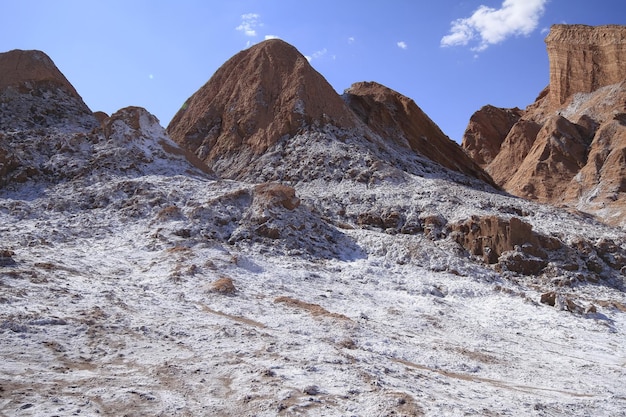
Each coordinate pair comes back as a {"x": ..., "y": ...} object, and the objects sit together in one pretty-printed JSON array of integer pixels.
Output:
[
  {"x": 491, "y": 26},
  {"x": 402, "y": 45},
  {"x": 351, "y": 40},
  {"x": 316, "y": 55},
  {"x": 249, "y": 23}
]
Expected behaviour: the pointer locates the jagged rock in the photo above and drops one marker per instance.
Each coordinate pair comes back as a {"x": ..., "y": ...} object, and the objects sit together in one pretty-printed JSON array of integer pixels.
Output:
[
  {"x": 521, "y": 262},
  {"x": 491, "y": 236},
  {"x": 486, "y": 131},
  {"x": 584, "y": 58},
  {"x": 557, "y": 154}
]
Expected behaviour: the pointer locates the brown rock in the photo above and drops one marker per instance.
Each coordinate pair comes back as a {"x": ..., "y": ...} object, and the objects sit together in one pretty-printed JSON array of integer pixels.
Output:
[
  {"x": 396, "y": 117},
  {"x": 273, "y": 194},
  {"x": 513, "y": 151},
  {"x": 548, "y": 298},
  {"x": 26, "y": 70},
  {"x": 557, "y": 154},
  {"x": 569, "y": 147},
  {"x": 223, "y": 285},
  {"x": 486, "y": 131},
  {"x": 584, "y": 58},
  {"x": 257, "y": 97},
  {"x": 491, "y": 236}
]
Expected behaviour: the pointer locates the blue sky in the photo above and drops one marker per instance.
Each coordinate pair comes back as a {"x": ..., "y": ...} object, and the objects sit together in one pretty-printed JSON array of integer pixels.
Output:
[{"x": 451, "y": 57}]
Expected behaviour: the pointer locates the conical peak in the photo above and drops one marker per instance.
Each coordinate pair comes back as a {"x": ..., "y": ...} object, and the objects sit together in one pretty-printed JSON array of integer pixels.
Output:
[
  {"x": 257, "y": 97},
  {"x": 19, "y": 67}
]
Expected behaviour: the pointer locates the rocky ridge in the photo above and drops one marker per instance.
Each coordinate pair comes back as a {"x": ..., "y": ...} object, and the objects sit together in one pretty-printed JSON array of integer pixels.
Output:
[
  {"x": 565, "y": 148},
  {"x": 266, "y": 102}
]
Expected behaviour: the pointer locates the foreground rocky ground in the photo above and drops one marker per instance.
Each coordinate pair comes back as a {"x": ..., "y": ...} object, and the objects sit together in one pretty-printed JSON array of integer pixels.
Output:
[{"x": 158, "y": 290}]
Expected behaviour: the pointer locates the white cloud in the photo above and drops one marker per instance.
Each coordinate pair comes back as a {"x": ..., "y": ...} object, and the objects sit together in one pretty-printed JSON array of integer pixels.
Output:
[
  {"x": 271, "y": 37},
  {"x": 316, "y": 54},
  {"x": 491, "y": 26},
  {"x": 402, "y": 45},
  {"x": 351, "y": 40},
  {"x": 249, "y": 23}
]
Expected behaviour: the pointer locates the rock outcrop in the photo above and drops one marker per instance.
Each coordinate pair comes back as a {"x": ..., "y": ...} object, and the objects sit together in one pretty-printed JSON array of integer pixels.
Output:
[
  {"x": 35, "y": 94},
  {"x": 486, "y": 131},
  {"x": 585, "y": 58},
  {"x": 568, "y": 147}
]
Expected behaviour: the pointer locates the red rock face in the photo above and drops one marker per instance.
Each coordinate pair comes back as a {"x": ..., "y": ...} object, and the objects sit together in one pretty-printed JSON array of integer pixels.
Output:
[
  {"x": 397, "y": 118},
  {"x": 584, "y": 58},
  {"x": 486, "y": 131},
  {"x": 257, "y": 97},
  {"x": 569, "y": 147}
]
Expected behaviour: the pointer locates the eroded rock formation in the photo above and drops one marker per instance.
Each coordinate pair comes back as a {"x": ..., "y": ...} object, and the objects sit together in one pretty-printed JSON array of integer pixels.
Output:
[
  {"x": 568, "y": 147},
  {"x": 584, "y": 58},
  {"x": 267, "y": 115}
]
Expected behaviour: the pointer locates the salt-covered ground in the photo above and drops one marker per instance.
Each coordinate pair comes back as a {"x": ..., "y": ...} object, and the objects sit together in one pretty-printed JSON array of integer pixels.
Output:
[{"x": 110, "y": 308}]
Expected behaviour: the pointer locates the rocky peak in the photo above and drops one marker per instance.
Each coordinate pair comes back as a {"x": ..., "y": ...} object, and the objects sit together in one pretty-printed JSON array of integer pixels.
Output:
[
  {"x": 258, "y": 96},
  {"x": 34, "y": 93},
  {"x": 585, "y": 58},
  {"x": 23, "y": 69},
  {"x": 397, "y": 118},
  {"x": 486, "y": 131}
]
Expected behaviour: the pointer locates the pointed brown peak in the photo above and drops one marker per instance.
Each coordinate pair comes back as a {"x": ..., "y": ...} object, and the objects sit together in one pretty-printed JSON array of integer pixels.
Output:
[
  {"x": 486, "y": 130},
  {"x": 262, "y": 94},
  {"x": 27, "y": 69},
  {"x": 396, "y": 117},
  {"x": 36, "y": 94}
]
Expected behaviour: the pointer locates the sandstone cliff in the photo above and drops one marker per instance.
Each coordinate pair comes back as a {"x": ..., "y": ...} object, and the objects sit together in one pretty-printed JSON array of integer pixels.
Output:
[
  {"x": 584, "y": 58},
  {"x": 566, "y": 148}
]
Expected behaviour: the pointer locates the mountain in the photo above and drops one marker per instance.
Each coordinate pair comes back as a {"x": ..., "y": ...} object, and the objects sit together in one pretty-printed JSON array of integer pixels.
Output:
[
  {"x": 358, "y": 265},
  {"x": 33, "y": 92},
  {"x": 259, "y": 114},
  {"x": 566, "y": 148}
]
